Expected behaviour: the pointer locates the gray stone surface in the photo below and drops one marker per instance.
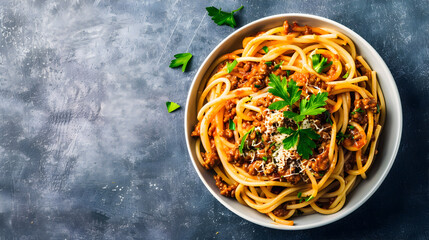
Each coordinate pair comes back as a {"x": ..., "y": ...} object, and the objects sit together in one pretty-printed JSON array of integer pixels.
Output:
[{"x": 88, "y": 150}]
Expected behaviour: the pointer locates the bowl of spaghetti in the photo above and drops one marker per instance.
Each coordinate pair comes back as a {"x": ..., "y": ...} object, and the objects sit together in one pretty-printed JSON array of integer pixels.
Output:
[{"x": 293, "y": 121}]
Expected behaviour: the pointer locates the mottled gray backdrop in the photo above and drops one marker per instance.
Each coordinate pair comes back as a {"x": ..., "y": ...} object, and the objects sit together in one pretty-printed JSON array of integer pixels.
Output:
[{"x": 88, "y": 150}]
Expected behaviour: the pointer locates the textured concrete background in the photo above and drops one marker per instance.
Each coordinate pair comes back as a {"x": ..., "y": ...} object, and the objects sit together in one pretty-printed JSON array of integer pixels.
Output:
[{"x": 88, "y": 150}]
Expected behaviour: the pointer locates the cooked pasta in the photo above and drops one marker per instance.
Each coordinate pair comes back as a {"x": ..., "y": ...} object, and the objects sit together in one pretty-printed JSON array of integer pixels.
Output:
[{"x": 289, "y": 124}]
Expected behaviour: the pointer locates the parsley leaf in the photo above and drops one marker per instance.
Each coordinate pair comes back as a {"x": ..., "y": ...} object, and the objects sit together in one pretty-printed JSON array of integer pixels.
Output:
[
  {"x": 301, "y": 138},
  {"x": 265, "y": 48},
  {"x": 352, "y": 127},
  {"x": 346, "y": 75},
  {"x": 231, "y": 125},
  {"x": 281, "y": 88},
  {"x": 359, "y": 110},
  {"x": 341, "y": 137},
  {"x": 220, "y": 17},
  {"x": 277, "y": 66},
  {"x": 181, "y": 59},
  {"x": 319, "y": 62},
  {"x": 268, "y": 63},
  {"x": 257, "y": 86},
  {"x": 299, "y": 194},
  {"x": 231, "y": 66},
  {"x": 378, "y": 108},
  {"x": 306, "y": 143},
  {"x": 243, "y": 140},
  {"x": 265, "y": 158},
  {"x": 314, "y": 106},
  {"x": 287, "y": 73},
  {"x": 172, "y": 106}
]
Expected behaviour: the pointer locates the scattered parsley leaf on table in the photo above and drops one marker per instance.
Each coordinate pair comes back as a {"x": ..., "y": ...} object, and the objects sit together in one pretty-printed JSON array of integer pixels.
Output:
[
  {"x": 172, "y": 106},
  {"x": 220, "y": 17},
  {"x": 181, "y": 59}
]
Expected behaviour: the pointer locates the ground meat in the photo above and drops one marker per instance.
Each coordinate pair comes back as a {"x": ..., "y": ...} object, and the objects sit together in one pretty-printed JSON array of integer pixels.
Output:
[
  {"x": 354, "y": 139},
  {"x": 368, "y": 104},
  {"x": 286, "y": 27},
  {"x": 315, "y": 82},
  {"x": 210, "y": 160},
  {"x": 211, "y": 130},
  {"x": 254, "y": 168},
  {"x": 233, "y": 155},
  {"x": 196, "y": 132},
  {"x": 227, "y": 133},
  {"x": 257, "y": 77},
  {"x": 307, "y": 30},
  {"x": 300, "y": 78},
  {"x": 281, "y": 211},
  {"x": 225, "y": 189},
  {"x": 292, "y": 175},
  {"x": 265, "y": 101},
  {"x": 321, "y": 162},
  {"x": 359, "y": 114},
  {"x": 350, "y": 162},
  {"x": 230, "y": 110}
]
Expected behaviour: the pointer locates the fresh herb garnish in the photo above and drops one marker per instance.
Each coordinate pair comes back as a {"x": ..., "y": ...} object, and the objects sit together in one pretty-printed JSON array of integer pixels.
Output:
[
  {"x": 277, "y": 66},
  {"x": 287, "y": 73},
  {"x": 268, "y": 63},
  {"x": 378, "y": 108},
  {"x": 309, "y": 198},
  {"x": 341, "y": 137},
  {"x": 231, "y": 125},
  {"x": 352, "y": 127},
  {"x": 220, "y": 17},
  {"x": 301, "y": 138},
  {"x": 172, "y": 106},
  {"x": 265, "y": 48},
  {"x": 328, "y": 117},
  {"x": 359, "y": 110},
  {"x": 257, "y": 86},
  {"x": 231, "y": 66},
  {"x": 265, "y": 158},
  {"x": 281, "y": 88},
  {"x": 243, "y": 140},
  {"x": 181, "y": 59},
  {"x": 319, "y": 62},
  {"x": 272, "y": 144},
  {"x": 313, "y": 106},
  {"x": 299, "y": 194},
  {"x": 346, "y": 75}
]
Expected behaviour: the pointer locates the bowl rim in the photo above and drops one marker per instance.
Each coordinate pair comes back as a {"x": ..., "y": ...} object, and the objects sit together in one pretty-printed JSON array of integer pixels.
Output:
[{"x": 389, "y": 79}]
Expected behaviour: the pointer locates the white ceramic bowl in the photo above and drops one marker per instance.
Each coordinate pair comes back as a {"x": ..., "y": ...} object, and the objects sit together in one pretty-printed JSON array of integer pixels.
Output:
[{"x": 390, "y": 136}]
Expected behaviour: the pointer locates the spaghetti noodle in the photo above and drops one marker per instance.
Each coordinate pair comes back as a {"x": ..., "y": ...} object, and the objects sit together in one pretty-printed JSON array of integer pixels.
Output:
[{"x": 240, "y": 134}]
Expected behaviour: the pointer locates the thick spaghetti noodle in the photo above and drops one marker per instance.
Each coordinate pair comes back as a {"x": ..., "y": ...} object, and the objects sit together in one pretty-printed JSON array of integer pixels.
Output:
[{"x": 241, "y": 135}]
